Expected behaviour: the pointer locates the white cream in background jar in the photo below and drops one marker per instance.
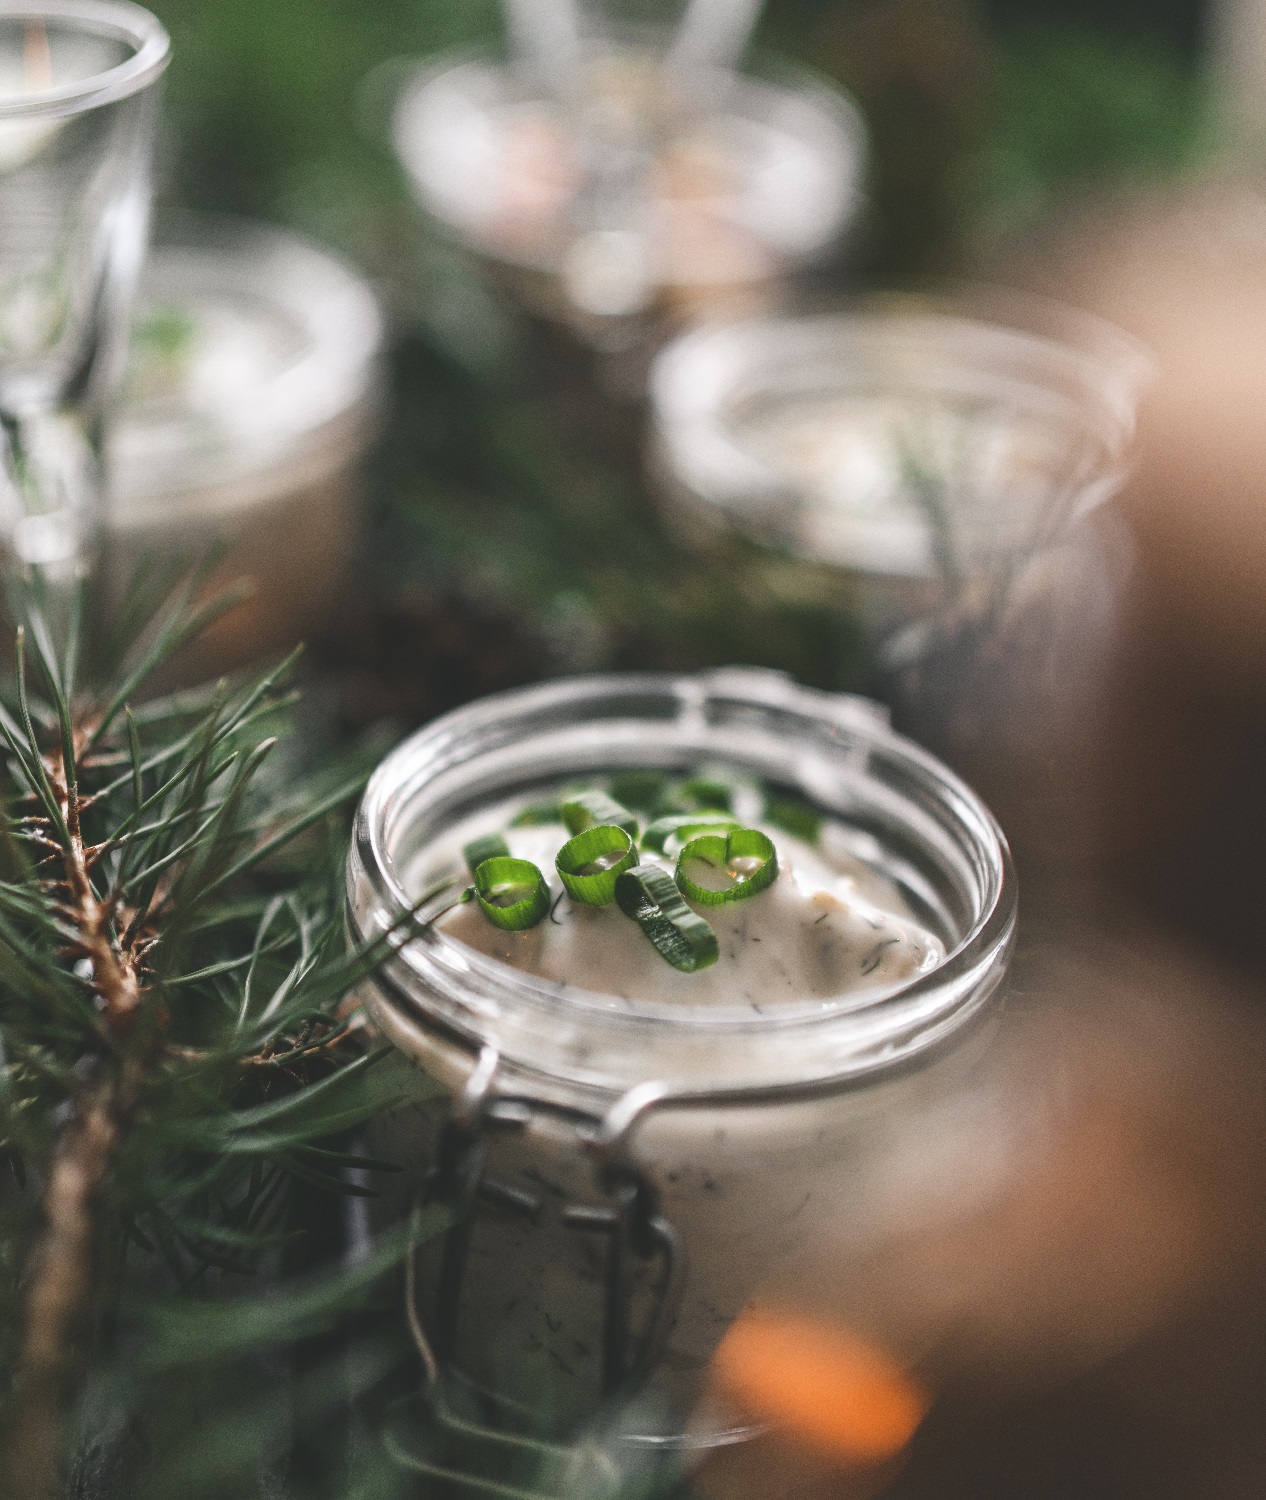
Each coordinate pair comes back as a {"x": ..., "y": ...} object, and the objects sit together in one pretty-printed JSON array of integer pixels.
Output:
[
  {"x": 781, "y": 1141},
  {"x": 923, "y": 454},
  {"x": 628, "y": 185},
  {"x": 252, "y": 394}
]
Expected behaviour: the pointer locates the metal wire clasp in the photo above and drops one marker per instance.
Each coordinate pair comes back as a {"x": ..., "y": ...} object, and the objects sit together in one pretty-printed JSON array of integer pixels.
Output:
[{"x": 635, "y": 1228}]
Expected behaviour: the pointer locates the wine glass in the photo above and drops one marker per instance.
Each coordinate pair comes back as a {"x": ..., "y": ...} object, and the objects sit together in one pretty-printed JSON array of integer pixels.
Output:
[{"x": 78, "y": 111}]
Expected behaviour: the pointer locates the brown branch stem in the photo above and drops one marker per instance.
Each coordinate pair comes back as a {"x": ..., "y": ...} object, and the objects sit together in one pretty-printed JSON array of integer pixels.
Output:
[
  {"x": 61, "y": 1270},
  {"x": 61, "y": 1275}
]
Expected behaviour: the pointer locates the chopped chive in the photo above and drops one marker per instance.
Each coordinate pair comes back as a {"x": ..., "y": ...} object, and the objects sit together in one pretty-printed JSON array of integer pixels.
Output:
[
  {"x": 649, "y": 896},
  {"x": 715, "y": 870},
  {"x": 536, "y": 814},
  {"x": 704, "y": 792},
  {"x": 491, "y": 846},
  {"x": 796, "y": 817},
  {"x": 512, "y": 893},
  {"x": 591, "y": 863},
  {"x": 668, "y": 835},
  {"x": 641, "y": 790},
  {"x": 595, "y": 809}
]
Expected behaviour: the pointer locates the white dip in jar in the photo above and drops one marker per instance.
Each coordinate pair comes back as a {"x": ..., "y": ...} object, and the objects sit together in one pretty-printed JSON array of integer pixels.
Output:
[
  {"x": 828, "y": 925},
  {"x": 817, "y": 1120}
]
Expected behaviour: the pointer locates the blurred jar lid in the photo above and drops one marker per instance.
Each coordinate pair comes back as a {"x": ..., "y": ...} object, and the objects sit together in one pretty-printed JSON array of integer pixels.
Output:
[
  {"x": 253, "y": 354},
  {"x": 629, "y": 176},
  {"x": 906, "y": 440}
]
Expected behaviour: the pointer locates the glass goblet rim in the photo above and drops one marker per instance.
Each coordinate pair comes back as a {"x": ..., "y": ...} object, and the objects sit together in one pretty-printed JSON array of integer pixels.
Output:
[{"x": 118, "y": 19}]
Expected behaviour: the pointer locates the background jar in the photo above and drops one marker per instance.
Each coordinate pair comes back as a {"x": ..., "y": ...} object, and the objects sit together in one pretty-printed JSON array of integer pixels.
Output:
[
  {"x": 621, "y": 184},
  {"x": 253, "y": 392},
  {"x": 781, "y": 1143},
  {"x": 936, "y": 471}
]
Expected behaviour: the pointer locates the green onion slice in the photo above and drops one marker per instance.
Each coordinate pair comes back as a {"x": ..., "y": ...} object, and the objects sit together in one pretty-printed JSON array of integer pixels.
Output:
[
  {"x": 594, "y": 810},
  {"x": 592, "y": 862},
  {"x": 706, "y": 793},
  {"x": 512, "y": 893},
  {"x": 796, "y": 817},
  {"x": 537, "y": 814},
  {"x": 643, "y": 790},
  {"x": 715, "y": 870},
  {"x": 491, "y": 846},
  {"x": 679, "y": 828},
  {"x": 648, "y": 895}
]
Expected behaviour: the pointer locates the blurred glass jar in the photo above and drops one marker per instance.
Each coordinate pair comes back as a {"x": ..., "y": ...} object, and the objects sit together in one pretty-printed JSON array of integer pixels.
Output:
[
  {"x": 632, "y": 180},
  {"x": 935, "y": 473},
  {"x": 775, "y": 1146},
  {"x": 252, "y": 394}
]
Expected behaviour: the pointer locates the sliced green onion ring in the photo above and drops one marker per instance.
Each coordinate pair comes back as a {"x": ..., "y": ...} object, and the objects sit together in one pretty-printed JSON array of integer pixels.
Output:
[
  {"x": 536, "y": 814},
  {"x": 706, "y": 793},
  {"x": 745, "y": 859},
  {"x": 512, "y": 893},
  {"x": 795, "y": 816},
  {"x": 592, "y": 862},
  {"x": 642, "y": 790},
  {"x": 584, "y": 810},
  {"x": 648, "y": 895},
  {"x": 491, "y": 846},
  {"x": 679, "y": 828}
]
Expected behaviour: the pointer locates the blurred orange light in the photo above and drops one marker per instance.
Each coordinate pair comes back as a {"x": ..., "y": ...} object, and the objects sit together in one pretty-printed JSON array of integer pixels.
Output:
[{"x": 820, "y": 1384}]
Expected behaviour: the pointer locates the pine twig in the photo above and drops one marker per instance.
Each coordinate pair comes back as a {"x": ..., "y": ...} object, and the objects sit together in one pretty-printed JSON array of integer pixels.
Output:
[
  {"x": 145, "y": 977},
  {"x": 61, "y": 1270},
  {"x": 61, "y": 1278}
]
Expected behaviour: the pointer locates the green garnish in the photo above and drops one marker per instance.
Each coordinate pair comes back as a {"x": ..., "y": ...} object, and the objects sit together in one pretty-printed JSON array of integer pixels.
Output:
[
  {"x": 584, "y": 810},
  {"x": 512, "y": 893},
  {"x": 643, "y": 790},
  {"x": 537, "y": 814},
  {"x": 680, "y": 828},
  {"x": 716, "y": 870},
  {"x": 703, "y": 792},
  {"x": 796, "y": 817},
  {"x": 592, "y": 862},
  {"x": 648, "y": 895},
  {"x": 491, "y": 846}
]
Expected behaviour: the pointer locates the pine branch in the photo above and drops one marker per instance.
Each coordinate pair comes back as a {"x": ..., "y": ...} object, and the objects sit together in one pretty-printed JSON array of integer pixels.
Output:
[
  {"x": 174, "y": 1052},
  {"x": 62, "y": 1275},
  {"x": 61, "y": 1268}
]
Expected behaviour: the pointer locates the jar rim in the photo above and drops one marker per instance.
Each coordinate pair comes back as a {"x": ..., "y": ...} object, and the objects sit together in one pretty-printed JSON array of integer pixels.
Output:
[
  {"x": 789, "y": 95},
  {"x": 121, "y": 19},
  {"x": 469, "y": 1000},
  {"x": 972, "y": 342}
]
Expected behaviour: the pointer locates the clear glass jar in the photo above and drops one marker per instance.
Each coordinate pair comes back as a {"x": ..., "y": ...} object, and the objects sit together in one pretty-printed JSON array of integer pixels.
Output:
[
  {"x": 626, "y": 179},
  {"x": 252, "y": 395},
  {"x": 934, "y": 472},
  {"x": 923, "y": 451},
  {"x": 769, "y": 1147}
]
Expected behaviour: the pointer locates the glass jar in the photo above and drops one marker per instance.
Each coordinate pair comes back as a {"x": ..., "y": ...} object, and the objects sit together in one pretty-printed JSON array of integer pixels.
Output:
[
  {"x": 922, "y": 450},
  {"x": 936, "y": 473},
  {"x": 252, "y": 394},
  {"x": 626, "y": 181},
  {"x": 744, "y": 1154}
]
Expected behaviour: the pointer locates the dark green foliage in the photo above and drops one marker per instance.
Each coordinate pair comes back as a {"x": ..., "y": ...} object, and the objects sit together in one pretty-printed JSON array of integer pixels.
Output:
[{"x": 179, "y": 1078}]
